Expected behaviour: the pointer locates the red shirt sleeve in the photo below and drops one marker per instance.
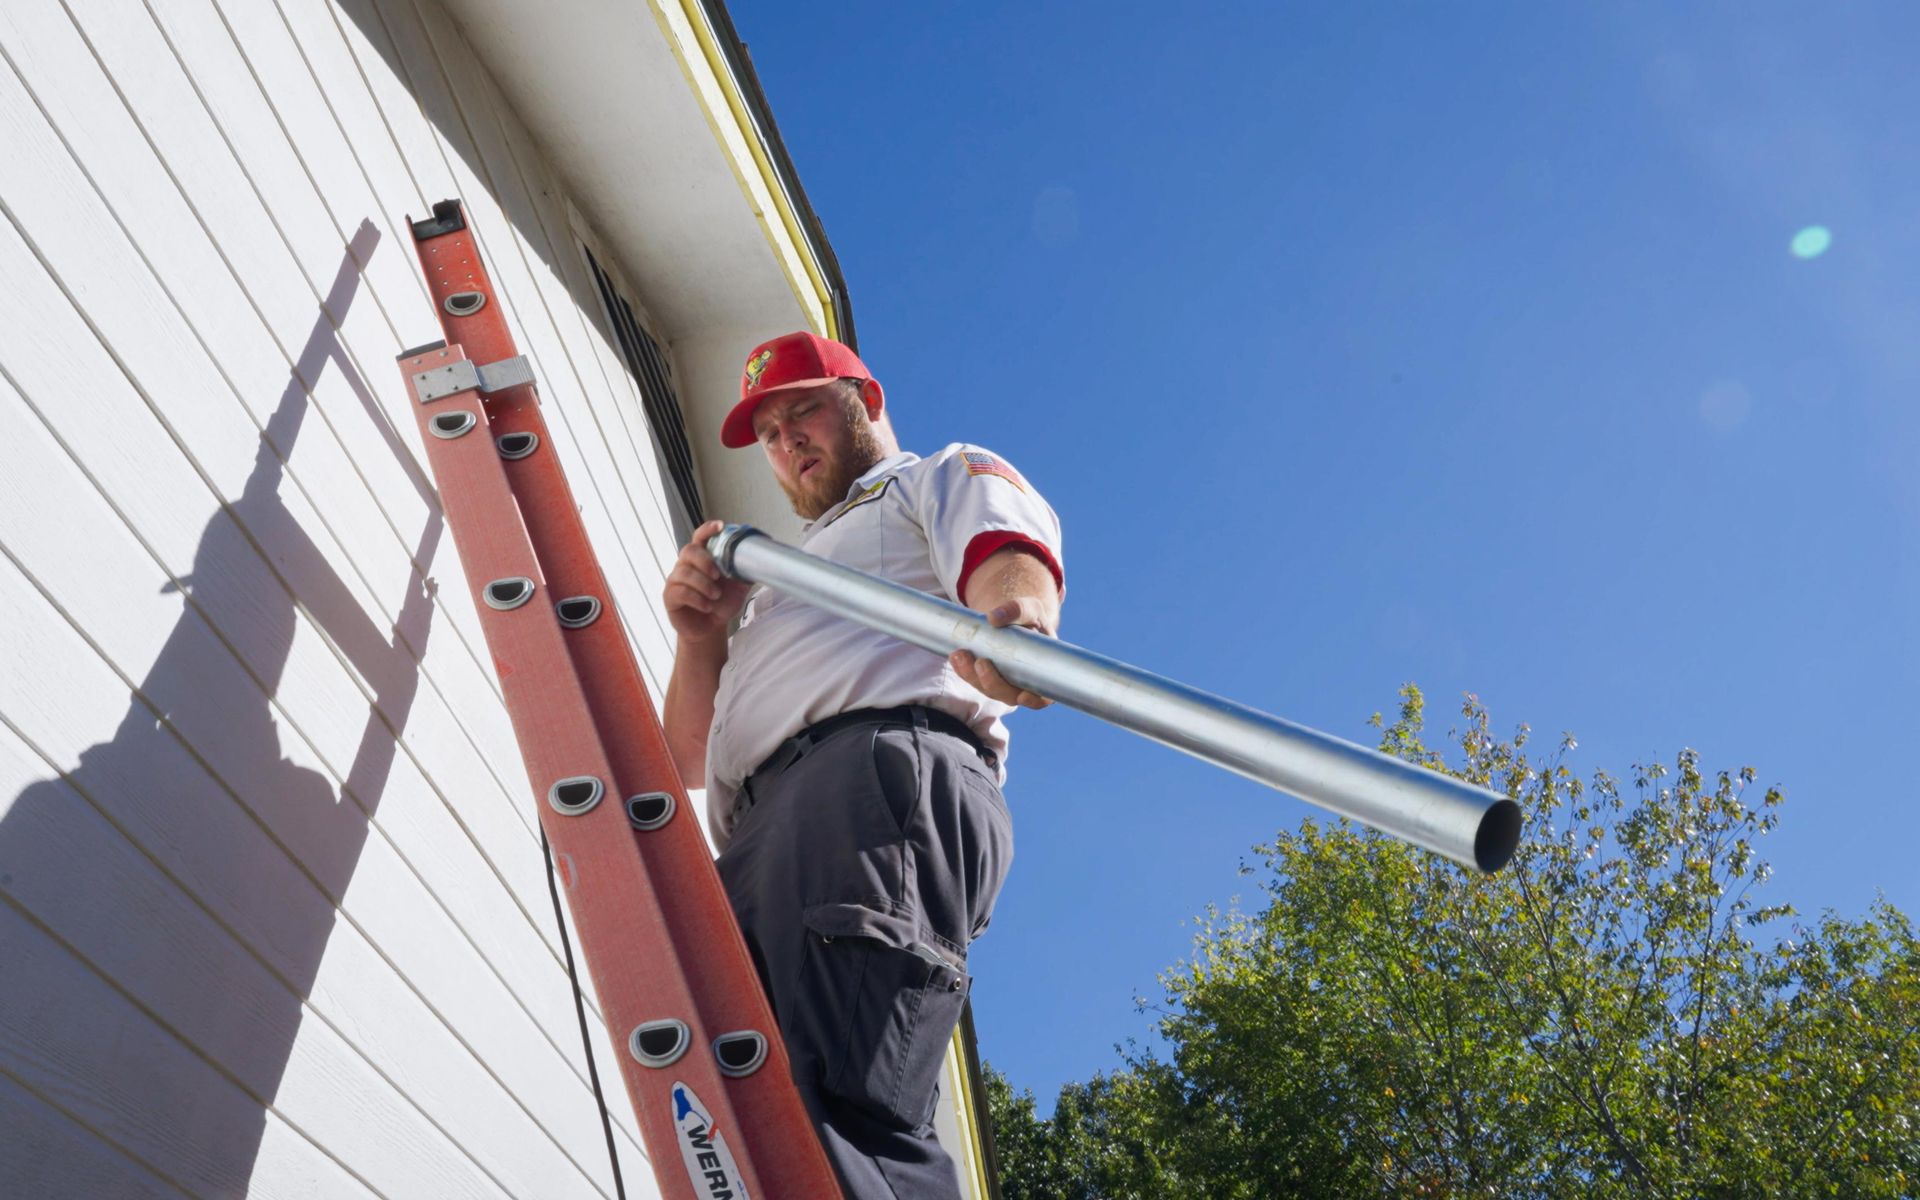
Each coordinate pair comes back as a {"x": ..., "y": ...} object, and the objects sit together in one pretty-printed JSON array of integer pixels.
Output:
[{"x": 983, "y": 546}]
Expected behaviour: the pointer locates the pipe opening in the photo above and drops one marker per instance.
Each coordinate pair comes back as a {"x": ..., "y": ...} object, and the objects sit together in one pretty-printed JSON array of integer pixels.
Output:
[
  {"x": 511, "y": 593},
  {"x": 577, "y": 611},
  {"x": 650, "y": 810},
  {"x": 516, "y": 445},
  {"x": 1498, "y": 836},
  {"x": 465, "y": 304},
  {"x": 573, "y": 796},
  {"x": 740, "y": 1053},
  {"x": 659, "y": 1043}
]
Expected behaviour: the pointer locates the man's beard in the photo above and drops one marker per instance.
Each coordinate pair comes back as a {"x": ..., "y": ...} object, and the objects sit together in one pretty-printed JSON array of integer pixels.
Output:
[{"x": 828, "y": 484}]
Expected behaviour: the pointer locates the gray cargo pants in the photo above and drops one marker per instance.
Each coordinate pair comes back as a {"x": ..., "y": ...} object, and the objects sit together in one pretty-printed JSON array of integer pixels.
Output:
[{"x": 863, "y": 866}]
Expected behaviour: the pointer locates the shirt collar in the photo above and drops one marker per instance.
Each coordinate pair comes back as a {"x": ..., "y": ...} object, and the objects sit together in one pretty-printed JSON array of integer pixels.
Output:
[{"x": 887, "y": 465}]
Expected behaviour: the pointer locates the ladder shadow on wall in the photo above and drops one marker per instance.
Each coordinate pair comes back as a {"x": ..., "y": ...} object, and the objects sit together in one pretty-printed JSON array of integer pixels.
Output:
[
  {"x": 187, "y": 863},
  {"x": 465, "y": 121},
  {"x": 482, "y": 130}
]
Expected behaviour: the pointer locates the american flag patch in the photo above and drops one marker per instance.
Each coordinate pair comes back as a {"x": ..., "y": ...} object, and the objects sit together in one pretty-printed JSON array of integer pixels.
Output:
[{"x": 987, "y": 464}]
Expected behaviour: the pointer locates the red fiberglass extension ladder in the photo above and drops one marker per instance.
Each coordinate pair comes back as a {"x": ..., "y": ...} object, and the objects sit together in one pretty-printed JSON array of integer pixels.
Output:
[{"x": 703, "y": 1061}]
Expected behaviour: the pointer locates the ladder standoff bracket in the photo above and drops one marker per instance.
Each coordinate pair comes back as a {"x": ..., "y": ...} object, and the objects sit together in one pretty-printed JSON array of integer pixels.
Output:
[
  {"x": 437, "y": 383},
  {"x": 575, "y": 794},
  {"x": 650, "y": 810},
  {"x": 659, "y": 1043}
]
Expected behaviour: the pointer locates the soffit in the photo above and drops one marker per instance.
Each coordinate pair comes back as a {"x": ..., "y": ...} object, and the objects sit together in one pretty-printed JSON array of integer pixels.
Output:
[{"x": 630, "y": 112}]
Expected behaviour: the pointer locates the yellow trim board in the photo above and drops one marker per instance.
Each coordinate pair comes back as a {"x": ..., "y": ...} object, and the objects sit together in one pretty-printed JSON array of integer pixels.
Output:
[
  {"x": 815, "y": 281},
  {"x": 971, "y": 1157}
]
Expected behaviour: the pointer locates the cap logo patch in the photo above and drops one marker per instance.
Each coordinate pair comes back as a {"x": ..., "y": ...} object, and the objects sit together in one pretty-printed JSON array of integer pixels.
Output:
[{"x": 756, "y": 367}]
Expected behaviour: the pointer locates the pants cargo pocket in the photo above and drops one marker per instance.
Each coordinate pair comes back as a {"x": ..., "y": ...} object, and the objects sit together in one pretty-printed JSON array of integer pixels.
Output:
[{"x": 880, "y": 1006}]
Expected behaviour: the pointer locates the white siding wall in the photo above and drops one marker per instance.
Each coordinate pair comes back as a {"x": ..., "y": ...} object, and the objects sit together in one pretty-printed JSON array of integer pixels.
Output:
[{"x": 273, "y": 918}]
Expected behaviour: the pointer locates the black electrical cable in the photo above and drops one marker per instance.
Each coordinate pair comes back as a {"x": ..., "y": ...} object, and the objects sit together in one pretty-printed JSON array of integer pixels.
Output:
[{"x": 580, "y": 1010}]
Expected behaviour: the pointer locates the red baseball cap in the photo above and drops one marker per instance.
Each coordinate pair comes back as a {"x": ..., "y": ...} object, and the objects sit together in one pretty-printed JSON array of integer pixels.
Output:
[{"x": 794, "y": 360}]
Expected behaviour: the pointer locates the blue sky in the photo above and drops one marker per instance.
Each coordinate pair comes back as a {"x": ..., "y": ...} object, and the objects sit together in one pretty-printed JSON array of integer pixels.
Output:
[{"x": 1361, "y": 344}]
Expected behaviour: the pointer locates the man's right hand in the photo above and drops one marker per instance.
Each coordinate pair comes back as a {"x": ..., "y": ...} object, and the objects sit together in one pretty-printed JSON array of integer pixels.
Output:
[{"x": 701, "y": 601}]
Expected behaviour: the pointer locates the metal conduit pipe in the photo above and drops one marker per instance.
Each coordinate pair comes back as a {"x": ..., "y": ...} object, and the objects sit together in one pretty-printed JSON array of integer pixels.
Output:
[{"x": 1471, "y": 825}]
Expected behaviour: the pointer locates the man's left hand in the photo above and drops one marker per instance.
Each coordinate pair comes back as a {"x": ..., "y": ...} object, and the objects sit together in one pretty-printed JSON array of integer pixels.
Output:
[{"x": 982, "y": 674}]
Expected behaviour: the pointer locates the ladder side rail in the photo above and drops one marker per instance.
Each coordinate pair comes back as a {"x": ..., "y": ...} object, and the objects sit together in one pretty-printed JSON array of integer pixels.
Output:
[
  {"x": 697, "y": 919},
  {"x": 699, "y": 913},
  {"x": 613, "y": 899}
]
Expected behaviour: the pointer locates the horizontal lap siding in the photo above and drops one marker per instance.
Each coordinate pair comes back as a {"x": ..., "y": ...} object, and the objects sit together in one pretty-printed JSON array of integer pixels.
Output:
[
  {"x": 268, "y": 867},
  {"x": 50, "y": 1154}
]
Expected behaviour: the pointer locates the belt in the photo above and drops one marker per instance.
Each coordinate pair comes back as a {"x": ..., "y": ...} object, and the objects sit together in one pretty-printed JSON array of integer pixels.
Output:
[{"x": 785, "y": 754}]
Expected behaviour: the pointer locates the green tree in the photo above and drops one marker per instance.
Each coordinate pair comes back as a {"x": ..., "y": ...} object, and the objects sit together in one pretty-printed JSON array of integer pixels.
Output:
[
  {"x": 1099, "y": 1142},
  {"x": 1614, "y": 1015}
]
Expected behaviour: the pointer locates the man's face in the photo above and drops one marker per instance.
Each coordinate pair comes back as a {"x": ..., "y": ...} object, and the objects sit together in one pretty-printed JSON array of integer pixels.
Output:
[{"x": 818, "y": 441}]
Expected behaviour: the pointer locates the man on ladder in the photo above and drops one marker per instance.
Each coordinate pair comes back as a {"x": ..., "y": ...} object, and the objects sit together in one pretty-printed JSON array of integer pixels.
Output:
[{"x": 853, "y": 781}]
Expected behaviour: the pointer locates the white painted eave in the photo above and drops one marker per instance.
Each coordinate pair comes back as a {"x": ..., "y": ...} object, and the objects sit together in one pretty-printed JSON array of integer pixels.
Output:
[
  {"x": 636, "y": 116},
  {"x": 627, "y": 103}
]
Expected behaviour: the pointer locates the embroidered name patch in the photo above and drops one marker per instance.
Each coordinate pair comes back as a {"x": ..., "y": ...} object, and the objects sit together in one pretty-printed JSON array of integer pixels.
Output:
[
  {"x": 986, "y": 464},
  {"x": 873, "y": 492}
]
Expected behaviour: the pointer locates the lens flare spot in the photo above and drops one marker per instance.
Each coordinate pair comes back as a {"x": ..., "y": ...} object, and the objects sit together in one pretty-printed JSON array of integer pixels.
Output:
[{"x": 1812, "y": 241}]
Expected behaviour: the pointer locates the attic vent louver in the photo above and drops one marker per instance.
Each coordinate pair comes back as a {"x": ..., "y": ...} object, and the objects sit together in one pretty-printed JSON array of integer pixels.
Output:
[{"x": 654, "y": 375}]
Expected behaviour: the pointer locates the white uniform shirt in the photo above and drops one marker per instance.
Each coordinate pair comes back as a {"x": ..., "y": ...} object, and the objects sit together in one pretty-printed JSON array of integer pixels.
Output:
[{"x": 925, "y": 523}]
